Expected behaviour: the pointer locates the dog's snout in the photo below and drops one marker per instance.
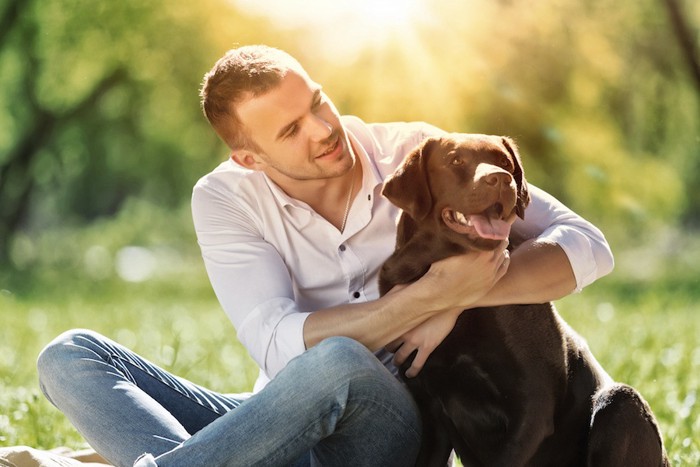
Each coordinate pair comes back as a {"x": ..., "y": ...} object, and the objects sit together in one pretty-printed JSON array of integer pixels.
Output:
[
  {"x": 492, "y": 176},
  {"x": 498, "y": 178}
]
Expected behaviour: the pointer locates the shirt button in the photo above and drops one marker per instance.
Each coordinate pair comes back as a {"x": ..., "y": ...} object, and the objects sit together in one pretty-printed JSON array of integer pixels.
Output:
[
  {"x": 356, "y": 295},
  {"x": 341, "y": 247}
]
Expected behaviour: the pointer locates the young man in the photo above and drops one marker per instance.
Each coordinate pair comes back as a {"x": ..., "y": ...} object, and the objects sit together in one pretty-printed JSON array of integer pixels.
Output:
[{"x": 293, "y": 231}]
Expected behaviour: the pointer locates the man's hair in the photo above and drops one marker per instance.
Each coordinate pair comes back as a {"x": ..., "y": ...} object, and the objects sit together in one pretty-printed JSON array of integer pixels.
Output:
[{"x": 242, "y": 73}]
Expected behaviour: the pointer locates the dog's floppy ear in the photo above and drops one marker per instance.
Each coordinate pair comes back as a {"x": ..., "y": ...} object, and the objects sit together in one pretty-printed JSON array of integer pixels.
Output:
[
  {"x": 519, "y": 176},
  {"x": 408, "y": 187}
]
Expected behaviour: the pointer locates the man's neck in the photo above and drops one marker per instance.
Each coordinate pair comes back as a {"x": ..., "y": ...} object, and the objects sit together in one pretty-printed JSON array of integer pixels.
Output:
[{"x": 331, "y": 197}]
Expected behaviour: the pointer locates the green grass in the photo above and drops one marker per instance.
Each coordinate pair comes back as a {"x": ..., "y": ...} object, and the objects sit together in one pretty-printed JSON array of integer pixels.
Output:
[
  {"x": 646, "y": 335},
  {"x": 643, "y": 332},
  {"x": 178, "y": 325}
]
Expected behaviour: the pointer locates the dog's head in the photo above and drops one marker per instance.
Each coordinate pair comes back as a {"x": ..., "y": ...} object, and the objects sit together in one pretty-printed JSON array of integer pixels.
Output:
[{"x": 473, "y": 184}]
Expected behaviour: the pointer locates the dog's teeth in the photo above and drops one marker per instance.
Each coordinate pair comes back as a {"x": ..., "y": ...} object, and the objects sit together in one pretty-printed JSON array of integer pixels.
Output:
[{"x": 459, "y": 217}]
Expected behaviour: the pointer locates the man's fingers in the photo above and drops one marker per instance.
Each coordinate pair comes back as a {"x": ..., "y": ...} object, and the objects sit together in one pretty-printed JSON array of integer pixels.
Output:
[
  {"x": 402, "y": 353},
  {"x": 393, "y": 346},
  {"x": 417, "y": 364}
]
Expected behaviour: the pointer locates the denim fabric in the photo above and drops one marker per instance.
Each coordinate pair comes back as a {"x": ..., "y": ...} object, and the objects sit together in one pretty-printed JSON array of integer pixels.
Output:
[{"x": 335, "y": 404}]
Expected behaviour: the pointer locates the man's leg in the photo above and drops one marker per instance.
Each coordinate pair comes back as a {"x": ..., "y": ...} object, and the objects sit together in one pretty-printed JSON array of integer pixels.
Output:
[
  {"x": 335, "y": 398},
  {"x": 122, "y": 404}
]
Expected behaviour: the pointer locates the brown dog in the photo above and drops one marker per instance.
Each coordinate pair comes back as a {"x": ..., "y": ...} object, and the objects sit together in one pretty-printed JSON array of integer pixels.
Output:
[{"x": 510, "y": 385}]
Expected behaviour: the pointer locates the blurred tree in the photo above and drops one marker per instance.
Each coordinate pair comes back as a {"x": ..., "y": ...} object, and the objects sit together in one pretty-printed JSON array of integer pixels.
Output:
[
  {"x": 686, "y": 41},
  {"x": 17, "y": 180},
  {"x": 686, "y": 35},
  {"x": 595, "y": 94},
  {"x": 98, "y": 102}
]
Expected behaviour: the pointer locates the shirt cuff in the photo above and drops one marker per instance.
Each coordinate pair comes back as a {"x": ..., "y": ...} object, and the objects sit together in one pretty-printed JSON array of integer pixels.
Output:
[
  {"x": 273, "y": 333},
  {"x": 287, "y": 342},
  {"x": 578, "y": 249}
]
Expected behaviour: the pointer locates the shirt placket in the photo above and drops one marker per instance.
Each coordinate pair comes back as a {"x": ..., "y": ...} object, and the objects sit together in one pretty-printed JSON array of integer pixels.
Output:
[{"x": 355, "y": 272}]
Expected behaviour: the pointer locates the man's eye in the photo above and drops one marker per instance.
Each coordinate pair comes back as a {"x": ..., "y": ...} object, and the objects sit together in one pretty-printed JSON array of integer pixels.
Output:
[{"x": 292, "y": 131}]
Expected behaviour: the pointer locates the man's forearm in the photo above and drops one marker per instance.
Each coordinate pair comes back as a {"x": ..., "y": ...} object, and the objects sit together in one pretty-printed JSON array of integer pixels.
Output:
[
  {"x": 449, "y": 283},
  {"x": 374, "y": 323},
  {"x": 539, "y": 272}
]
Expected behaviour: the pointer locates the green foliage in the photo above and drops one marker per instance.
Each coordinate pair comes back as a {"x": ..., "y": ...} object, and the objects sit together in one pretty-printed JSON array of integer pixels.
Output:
[
  {"x": 99, "y": 102},
  {"x": 595, "y": 94},
  {"x": 73, "y": 277},
  {"x": 646, "y": 335}
]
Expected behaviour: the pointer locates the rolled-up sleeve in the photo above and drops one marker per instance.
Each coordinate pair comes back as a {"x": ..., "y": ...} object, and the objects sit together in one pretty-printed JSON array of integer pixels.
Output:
[
  {"x": 584, "y": 244},
  {"x": 249, "y": 279}
]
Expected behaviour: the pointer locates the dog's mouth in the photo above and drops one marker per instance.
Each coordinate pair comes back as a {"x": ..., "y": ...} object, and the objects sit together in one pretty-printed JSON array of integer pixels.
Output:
[{"x": 489, "y": 224}]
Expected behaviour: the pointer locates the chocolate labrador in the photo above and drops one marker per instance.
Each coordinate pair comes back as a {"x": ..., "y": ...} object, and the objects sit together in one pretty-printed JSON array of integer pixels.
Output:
[{"x": 510, "y": 385}]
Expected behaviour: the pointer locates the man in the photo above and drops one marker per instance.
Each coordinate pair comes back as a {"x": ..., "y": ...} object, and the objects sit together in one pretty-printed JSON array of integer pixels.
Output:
[{"x": 293, "y": 231}]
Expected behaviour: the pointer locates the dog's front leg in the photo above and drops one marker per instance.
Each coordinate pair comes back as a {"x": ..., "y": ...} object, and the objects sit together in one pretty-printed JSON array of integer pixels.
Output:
[{"x": 436, "y": 446}]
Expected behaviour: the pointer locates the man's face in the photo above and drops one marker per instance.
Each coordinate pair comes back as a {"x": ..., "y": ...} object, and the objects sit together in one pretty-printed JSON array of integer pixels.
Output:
[{"x": 298, "y": 131}]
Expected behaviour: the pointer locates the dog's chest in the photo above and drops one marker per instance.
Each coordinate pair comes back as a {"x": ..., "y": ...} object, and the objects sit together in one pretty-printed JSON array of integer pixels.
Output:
[{"x": 498, "y": 349}]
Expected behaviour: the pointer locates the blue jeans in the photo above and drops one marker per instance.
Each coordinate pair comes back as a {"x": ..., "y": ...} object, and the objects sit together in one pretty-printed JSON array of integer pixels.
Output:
[{"x": 335, "y": 404}]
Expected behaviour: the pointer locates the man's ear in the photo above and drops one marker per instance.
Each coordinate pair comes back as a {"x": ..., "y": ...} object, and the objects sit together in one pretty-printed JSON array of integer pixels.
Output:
[
  {"x": 408, "y": 187},
  {"x": 246, "y": 159},
  {"x": 519, "y": 176}
]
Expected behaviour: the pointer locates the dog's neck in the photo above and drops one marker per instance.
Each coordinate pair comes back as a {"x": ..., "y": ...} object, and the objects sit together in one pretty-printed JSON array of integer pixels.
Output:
[
  {"x": 444, "y": 242},
  {"x": 412, "y": 257}
]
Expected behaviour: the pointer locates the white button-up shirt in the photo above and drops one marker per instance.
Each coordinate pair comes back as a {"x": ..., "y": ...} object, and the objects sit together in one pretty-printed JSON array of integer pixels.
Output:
[{"x": 272, "y": 260}]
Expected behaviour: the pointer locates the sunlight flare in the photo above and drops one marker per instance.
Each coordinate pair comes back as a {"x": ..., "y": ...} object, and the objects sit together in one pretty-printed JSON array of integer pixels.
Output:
[{"x": 343, "y": 27}]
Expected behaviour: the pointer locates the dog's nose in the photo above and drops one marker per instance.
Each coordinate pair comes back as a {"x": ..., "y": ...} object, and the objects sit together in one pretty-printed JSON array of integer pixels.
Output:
[
  {"x": 497, "y": 178},
  {"x": 492, "y": 176}
]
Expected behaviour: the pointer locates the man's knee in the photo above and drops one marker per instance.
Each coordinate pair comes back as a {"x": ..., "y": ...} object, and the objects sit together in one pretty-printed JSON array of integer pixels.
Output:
[
  {"x": 60, "y": 348},
  {"x": 344, "y": 362},
  {"x": 56, "y": 359},
  {"x": 342, "y": 356}
]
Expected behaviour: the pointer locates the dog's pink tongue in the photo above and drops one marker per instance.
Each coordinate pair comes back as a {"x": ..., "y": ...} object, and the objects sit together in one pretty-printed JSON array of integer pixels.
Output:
[{"x": 494, "y": 229}]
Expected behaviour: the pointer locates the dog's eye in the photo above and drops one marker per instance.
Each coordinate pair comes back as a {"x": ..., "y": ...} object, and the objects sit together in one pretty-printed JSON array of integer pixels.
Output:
[
  {"x": 457, "y": 161},
  {"x": 505, "y": 163}
]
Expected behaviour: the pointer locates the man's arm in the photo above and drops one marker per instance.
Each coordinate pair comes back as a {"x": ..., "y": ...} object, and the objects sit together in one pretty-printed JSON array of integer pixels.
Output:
[
  {"x": 566, "y": 254},
  {"x": 561, "y": 253},
  {"x": 447, "y": 285},
  {"x": 539, "y": 272}
]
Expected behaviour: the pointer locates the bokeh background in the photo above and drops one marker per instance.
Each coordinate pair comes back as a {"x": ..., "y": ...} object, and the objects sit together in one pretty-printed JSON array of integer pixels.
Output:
[{"x": 102, "y": 139}]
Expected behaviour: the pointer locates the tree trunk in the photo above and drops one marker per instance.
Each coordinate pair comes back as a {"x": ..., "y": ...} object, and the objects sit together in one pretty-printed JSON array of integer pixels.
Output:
[
  {"x": 683, "y": 33},
  {"x": 16, "y": 173}
]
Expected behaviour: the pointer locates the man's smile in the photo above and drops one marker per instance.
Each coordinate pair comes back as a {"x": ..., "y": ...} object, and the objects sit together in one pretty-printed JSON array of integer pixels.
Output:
[{"x": 332, "y": 151}]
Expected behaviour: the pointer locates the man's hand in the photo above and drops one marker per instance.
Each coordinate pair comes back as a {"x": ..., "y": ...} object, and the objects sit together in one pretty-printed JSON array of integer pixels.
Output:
[
  {"x": 460, "y": 281},
  {"x": 453, "y": 283},
  {"x": 424, "y": 338}
]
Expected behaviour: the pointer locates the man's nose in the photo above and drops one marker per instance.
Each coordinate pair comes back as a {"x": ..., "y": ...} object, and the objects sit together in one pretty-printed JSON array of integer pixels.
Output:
[{"x": 321, "y": 128}]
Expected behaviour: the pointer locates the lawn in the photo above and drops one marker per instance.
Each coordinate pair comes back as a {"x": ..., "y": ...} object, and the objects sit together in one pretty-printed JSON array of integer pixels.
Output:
[{"x": 643, "y": 332}]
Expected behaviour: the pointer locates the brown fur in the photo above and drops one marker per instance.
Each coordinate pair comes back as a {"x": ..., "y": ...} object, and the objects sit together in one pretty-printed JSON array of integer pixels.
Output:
[{"x": 510, "y": 385}]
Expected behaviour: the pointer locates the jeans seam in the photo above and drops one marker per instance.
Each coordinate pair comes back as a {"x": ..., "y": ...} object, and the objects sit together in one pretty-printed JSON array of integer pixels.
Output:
[{"x": 163, "y": 381}]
